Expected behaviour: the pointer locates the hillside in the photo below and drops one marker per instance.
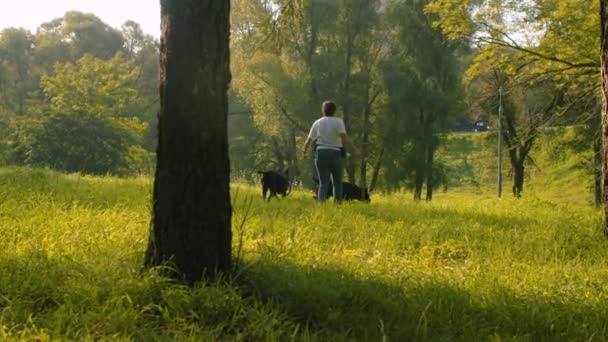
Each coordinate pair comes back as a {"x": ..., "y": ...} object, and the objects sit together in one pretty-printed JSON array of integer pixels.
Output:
[
  {"x": 466, "y": 266},
  {"x": 559, "y": 168}
]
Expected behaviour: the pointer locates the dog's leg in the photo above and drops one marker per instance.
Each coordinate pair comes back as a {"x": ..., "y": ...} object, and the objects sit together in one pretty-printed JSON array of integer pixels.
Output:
[{"x": 264, "y": 191}]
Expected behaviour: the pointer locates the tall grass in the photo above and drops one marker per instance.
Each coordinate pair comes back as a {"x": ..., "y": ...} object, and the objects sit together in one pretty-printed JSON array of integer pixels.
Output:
[{"x": 466, "y": 266}]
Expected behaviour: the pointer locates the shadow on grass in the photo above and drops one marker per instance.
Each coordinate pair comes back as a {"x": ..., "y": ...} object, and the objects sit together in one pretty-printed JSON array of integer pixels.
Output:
[
  {"x": 280, "y": 301},
  {"x": 335, "y": 305}
]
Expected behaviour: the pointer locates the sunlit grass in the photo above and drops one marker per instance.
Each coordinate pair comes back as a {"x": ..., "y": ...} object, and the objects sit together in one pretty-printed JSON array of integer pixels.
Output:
[{"x": 467, "y": 266}]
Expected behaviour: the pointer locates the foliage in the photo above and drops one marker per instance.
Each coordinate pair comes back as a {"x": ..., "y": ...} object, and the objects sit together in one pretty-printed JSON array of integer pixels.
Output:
[
  {"x": 16, "y": 76},
  {"x": 91, "y": 85},
  {"x": 288, "y": 58},
  {"x": 5, "y": 133},
  {"x": 73, "y": 67},
  {"x": 423, "y": 84},
  {"x": 79, "y": 142},
  {"x": 543, "y": 55},
  {"x": 87, "y": 35},
  {"x": 85, "y": 129}
]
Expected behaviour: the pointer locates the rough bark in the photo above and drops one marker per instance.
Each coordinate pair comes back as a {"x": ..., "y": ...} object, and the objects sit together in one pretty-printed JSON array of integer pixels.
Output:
[{"x": 191, "y": 216}]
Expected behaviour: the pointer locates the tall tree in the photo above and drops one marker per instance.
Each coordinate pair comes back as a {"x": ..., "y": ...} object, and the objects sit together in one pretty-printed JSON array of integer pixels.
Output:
[
  {"x": 356, "y": 21},
  {"x": 16, "y": 79},
  {"x": 191, "y": 224},
  {"x": 422, "y": 75},
  {"x": 552, "y": 41},
  {"x": 142, "y": 50}
]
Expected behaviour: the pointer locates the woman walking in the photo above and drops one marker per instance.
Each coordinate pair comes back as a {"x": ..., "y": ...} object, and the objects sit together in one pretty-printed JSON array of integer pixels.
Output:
[{"x": 328, "y": 136}]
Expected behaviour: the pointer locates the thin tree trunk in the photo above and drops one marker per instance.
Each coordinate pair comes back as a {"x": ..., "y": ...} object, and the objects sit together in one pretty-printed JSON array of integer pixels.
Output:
[
  {"x": 604, "y": 70},
  {"x": 365, "y": 142},
  {"x": 294, "y": 172},
  {"x": 597, "y": 171},
  {"x": 429, "y": 172},
  {"x": 430, "y": 154},
  {"x": 420, "y": 171},
  {"x": 314, "y": 37},
  {"x": 418, "y": 185},
  {"x": 376, "y": 172},
  {"x": 191, "y": 216},
  {"x": 518, "y": 178},
  {"x": 346, "y": 103}
]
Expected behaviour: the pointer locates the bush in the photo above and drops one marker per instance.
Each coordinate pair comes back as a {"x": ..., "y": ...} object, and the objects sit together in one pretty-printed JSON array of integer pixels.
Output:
[{"x": 79, "y": 142}]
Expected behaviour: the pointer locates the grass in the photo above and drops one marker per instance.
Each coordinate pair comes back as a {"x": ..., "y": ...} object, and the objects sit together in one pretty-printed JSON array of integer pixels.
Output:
[{"x": 466, "y": 266}]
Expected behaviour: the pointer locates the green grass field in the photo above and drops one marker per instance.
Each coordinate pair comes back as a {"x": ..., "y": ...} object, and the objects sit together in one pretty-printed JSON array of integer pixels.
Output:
[{"x": 466, "y": 266}]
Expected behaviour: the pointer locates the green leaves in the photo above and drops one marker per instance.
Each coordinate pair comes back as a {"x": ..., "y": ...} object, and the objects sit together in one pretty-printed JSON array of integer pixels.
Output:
[
  {"x": 91, "y": 85},
  {"x": 87, "y": 128}
]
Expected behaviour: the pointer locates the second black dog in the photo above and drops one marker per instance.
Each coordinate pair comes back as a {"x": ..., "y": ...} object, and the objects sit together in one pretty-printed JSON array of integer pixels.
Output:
[
  {"x": 350, "y": 191},
  {"x": 274, "y": 183}
]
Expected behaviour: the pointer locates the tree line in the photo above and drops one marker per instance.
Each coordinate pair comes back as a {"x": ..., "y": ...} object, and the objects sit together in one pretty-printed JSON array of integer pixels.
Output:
[
  {"x": 404, "y": 73},
  {"x": 393, "y": 66},
  {"x": 80, "y": 96}
]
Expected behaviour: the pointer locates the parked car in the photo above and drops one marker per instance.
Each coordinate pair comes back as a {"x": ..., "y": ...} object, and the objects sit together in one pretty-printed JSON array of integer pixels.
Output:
[{"x": 480, "y": 126}]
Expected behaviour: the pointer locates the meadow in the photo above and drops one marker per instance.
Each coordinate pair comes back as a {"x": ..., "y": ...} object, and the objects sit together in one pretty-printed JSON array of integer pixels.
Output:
[{"x": 466, "y": 266}]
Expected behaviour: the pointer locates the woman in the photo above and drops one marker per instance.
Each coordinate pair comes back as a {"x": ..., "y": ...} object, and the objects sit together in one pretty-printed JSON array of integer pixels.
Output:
[{"x": 328, "y": 135}]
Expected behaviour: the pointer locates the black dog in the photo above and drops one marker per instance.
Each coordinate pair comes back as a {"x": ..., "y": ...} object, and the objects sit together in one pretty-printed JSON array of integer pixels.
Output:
[
  {"x": 350, "y": 191},
  {"x": 274, "y": 182}
]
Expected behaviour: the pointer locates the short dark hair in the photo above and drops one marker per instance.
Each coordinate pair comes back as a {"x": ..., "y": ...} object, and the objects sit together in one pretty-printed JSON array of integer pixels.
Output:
[{"x": 329, "y": 108}]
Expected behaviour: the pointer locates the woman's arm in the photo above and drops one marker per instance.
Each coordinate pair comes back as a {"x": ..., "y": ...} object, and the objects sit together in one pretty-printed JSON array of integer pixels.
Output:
[
  {"x": 307, "y": 144},
  {"x": 347, "y": 141}
]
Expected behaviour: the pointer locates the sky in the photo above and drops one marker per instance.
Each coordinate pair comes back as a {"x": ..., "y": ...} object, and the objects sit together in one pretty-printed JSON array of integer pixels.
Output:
[{"x": 29, "y": 14}]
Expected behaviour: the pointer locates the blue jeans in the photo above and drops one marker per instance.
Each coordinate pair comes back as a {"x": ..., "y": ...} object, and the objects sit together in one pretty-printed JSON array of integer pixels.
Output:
[{"x": 329, "y": 164}]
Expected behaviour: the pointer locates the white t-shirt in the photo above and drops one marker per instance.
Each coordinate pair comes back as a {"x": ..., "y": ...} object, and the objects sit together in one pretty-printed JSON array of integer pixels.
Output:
[{"x": 326, "y": 131}]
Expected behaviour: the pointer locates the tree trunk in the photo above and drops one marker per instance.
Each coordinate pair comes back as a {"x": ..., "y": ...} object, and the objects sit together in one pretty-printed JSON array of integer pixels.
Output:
[
  {"x": 604, "y": 70},
  {"x": 309, "y": 58},
  {"x": 365, "y": 142},
  {"x": 418, "y": 185},
  {"x": 376, "y": 172},
  {"x": 429, "y": 171},
  {"x": 419, "y": 171},
  {"x": 518, "y": 178},
  {"x": 191, "y": 216},
  {"x": 346, "y": 99},
  {"x": 597, "y": 171},
  {"x": 294, "y": 172},
  {"x": 430, "y": 155}
]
